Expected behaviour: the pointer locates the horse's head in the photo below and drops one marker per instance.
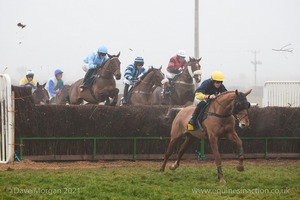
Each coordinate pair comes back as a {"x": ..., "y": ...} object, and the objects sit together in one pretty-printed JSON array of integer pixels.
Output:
[
  {"x": 40, "y": 95},
  {"x": 240, "y": 108},
  {"x": 158, "y": 76},
  {"x": 112, "y": 66},
  {"x": 194, "y": 68}
]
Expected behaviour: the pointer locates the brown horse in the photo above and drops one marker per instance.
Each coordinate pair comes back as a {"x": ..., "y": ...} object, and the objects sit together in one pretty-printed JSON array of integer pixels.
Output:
[
  {"x": 40, "y": 95},
  {"x": 63, "y": 97},
  {"x": 142, "y": 92},
  {"x": 182, "y": 87},
  {"x": 219, "y": 121},
  {"x": 104, "y": 86}
]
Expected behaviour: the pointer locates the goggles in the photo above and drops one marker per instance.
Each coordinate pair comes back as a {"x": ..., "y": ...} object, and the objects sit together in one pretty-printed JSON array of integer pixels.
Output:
[{"x": 102, "y": 54}]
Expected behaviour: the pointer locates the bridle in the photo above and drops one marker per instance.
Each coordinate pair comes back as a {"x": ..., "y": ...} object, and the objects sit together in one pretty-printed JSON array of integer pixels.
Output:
[
  {"x": 238, "y": 106},
  {"x": 108, "y": 69},
  {"x": 152, "y": 81}
]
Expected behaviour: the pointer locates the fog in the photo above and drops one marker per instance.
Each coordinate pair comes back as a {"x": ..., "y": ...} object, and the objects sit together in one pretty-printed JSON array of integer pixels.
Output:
[{"x": 60, "y": 34}]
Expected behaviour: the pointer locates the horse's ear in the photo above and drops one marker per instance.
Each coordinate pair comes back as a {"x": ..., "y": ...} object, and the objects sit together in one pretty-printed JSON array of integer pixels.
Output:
[
  {"x": 199, "y": 59},
  {"x": 160, "y": 68},
  {"x": 37, "y": 84},
  {"x": 237, "y": 92},
  {"x": 44, "y": 84},
  {"x": 109, "y": 56},
  {"x": 119, "y": 54},
  {"x": 248, "y": 92}
]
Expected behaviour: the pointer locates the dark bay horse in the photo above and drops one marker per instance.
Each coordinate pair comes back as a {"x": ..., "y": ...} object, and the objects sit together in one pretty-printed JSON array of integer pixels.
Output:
[
  {"x": 104, "y": 86},
  {"x": 40, "y": 95},
  {"x": 220, "y": 121},
  {"x": 63, "y": 97},
  {"x": 142, "y": 92},
  {"x": 182, "y": 87}
]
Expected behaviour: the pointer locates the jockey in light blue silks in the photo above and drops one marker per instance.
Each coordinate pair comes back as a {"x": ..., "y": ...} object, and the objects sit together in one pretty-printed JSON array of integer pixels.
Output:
[
  {"x": 131, "y": 75},
  {"x": 55, "y": 84},
  {"x": 91, "y": 63}
]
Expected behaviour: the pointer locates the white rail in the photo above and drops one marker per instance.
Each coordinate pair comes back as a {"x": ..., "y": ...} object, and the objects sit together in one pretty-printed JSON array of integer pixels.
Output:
[
  {"x": 6, "y": 134},
  {"x": 281, "y": 93}
]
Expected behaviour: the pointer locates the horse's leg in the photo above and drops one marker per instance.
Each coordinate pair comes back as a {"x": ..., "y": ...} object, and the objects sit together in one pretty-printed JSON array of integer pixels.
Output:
[
  {"x": 214, "y": 147},
  {"x": 188, "y": 141},
  {"x": 115, "y": 97},
  {"x": 169, "y": 153},
  {"x": 240, "y": 151}
]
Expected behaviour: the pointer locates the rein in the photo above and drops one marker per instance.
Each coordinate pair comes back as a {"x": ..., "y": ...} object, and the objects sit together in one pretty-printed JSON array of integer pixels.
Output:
[
  {"x": 228, "y": 114},
  {"x": 220, "y": 115},
  {"x": 191, "y": 73},
  {"x": 146, "y": 83},
  {"x": 107, "y": 69}
]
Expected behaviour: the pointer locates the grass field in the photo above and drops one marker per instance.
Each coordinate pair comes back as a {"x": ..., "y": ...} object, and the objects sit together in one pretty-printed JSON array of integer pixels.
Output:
[{"x": 262, "y": 179}]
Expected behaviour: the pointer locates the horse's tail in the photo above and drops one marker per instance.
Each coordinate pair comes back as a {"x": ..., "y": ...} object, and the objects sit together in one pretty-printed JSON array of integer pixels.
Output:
[{"x": 168, "y": 119}]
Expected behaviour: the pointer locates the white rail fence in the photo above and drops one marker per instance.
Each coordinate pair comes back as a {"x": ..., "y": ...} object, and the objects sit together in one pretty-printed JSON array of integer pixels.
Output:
[
  {"x": 281, "y": 93},
  {"x": 7, "y": 116}
]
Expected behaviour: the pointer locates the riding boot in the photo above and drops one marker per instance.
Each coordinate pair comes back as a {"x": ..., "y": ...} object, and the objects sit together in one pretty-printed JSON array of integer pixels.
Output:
[
  {"x": 192, "y": 125},
  {"x": 125, "y": 95},
  {"x": 86, "y": 78},
  {"x": 166, "y": 92}
]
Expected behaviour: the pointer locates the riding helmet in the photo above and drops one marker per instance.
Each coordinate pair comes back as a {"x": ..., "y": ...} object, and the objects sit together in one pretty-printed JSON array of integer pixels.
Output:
[
  {"x": 102, "y": 49},
  {"x": 139, "y": 61},
  {"x": 217, "y": 76},
  {"x": 58, "y": 71},
  {"x": 181, "y": 53}
]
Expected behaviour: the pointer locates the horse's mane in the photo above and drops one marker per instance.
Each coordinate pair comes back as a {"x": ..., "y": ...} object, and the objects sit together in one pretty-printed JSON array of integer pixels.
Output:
[
  {"x": 145, "y": 74},
  {"x": 109, "y": 58},
  {"x": 224, "y": 93}
]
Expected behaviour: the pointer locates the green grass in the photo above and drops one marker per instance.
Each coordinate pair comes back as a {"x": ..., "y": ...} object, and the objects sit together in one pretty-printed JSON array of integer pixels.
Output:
[{"x": 141, "y": 181}]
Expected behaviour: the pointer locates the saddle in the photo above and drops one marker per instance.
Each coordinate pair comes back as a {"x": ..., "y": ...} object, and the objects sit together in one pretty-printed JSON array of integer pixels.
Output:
[{"x": 128, "y": 100}]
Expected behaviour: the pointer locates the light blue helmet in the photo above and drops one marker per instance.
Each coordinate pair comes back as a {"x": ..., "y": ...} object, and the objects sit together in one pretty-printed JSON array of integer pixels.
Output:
[
  {"x": 102, "y": 49},
  {"x": 58, "y": 71}
]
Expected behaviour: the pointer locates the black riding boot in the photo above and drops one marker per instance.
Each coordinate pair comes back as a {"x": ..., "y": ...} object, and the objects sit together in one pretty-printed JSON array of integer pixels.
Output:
[
  {"x": 192, "y": 125},
  {"x": 87, "y": 76},
  {"x": 125, "y": 95}
]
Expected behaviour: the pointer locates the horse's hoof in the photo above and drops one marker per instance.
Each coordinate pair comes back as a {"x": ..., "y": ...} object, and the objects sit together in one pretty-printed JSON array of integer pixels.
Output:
[
  {"x": 173, "y": 167},
  {"x": 240, "y": 168},
  {"x": 222, "y": 181},
  {"x": 161, "y": 169}
]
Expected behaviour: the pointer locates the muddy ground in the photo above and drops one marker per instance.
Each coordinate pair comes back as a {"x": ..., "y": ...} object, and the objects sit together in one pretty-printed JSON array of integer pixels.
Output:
[{"x": 27, "y": 164}]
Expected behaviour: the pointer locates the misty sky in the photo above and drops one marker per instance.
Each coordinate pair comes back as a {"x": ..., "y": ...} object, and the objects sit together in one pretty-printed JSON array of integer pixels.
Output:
[{"x": 61, "y": 33}]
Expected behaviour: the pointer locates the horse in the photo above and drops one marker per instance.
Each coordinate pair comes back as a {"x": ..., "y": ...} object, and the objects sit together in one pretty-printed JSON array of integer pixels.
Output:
[
  {"x": 142, "y": 92},
  {"x": 219, "y": 121},
  {"x": 40, "y": 95},
  {"x": 104, "y": 86},
  {"x": 182, "y": 88},
  {"x": 63, "y": 97}
]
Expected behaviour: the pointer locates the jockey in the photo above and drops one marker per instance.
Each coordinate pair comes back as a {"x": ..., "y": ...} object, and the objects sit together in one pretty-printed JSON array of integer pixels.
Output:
[
  {"x": 28, "y": 80},
  {"x": 91, "y": 63},
  {"x": 55, "y": 84},
  {"x": 206, "y": 91},
  {"x": 131, "y": 75},
  {"x": 176, "y": 65}
]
